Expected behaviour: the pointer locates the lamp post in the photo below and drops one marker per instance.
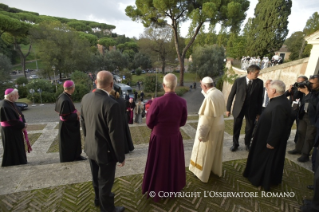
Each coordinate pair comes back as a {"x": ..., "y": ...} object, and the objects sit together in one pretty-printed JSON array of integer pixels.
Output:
[{"x": 56, "y": 87}]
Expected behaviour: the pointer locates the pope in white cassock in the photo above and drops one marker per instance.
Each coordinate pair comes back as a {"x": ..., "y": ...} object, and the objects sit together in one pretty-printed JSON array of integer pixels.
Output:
[{"x": 207, "y": 151}]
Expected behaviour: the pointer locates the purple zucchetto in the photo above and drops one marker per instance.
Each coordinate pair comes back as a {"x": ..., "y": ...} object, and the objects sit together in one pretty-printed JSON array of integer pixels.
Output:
[
  {"x": 68, "y": 83},
  {"x": 8, "y": 91}
]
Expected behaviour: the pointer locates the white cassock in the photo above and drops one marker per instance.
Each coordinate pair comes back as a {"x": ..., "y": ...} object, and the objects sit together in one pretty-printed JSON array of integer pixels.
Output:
[{"x": 207, "y": 155}]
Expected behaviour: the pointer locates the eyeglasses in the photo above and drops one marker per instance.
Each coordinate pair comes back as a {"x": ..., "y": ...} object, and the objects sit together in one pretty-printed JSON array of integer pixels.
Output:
[{"x": 314, "y": 76}]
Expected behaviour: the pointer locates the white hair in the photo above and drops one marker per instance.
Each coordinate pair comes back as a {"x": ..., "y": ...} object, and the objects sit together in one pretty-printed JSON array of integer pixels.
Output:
[
  {"x": 7, "y": 97},
  {"x": 278, "y": 85},
  {"x": 171, "y": 82}
]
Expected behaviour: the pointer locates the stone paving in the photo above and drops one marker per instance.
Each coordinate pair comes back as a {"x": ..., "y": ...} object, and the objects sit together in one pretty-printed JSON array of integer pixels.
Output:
[{"x": 44, "y": 170}]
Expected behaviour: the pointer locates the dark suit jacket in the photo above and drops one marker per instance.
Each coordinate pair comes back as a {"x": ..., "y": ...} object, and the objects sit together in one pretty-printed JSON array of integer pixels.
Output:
[
  {"x": 239, "y": 89},
  {"x": 102, "y": 128}
]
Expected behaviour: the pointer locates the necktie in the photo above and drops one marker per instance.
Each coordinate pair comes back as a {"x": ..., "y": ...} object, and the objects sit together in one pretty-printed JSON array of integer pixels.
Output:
[{"x": 249, "y": 86}]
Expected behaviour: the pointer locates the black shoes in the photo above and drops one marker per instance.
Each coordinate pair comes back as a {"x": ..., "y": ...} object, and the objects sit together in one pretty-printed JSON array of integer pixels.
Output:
[
  {"x": 119, "y": 209},
  {"x": 294, "y": 152},
  {"x": 233, "y": 148},
  {"x": 97, "y": 202},
  {"x": 311, "y": 187},
  {"x": 303, "y": 159},
  {"x": 81, "y": 158}
]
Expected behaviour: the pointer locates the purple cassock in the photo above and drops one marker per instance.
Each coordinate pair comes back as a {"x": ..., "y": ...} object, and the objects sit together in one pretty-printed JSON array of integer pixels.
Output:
[{"x": 165, "y": 165}]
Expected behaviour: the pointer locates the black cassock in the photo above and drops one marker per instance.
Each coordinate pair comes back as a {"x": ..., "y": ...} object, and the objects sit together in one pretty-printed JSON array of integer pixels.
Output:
[
  {"x": 14, "y": 152},
  {"x": 265, "y": 166},
  {"x": 128, "y": 143},
  {"x": 69, "y": 129}
]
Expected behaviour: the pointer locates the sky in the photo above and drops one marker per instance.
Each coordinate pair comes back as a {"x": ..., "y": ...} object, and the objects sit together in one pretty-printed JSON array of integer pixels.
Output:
[{"x": 113, "y": 12}]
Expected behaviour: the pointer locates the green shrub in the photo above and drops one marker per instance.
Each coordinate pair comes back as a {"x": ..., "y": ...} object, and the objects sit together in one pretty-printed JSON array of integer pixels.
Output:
[
  {"x": 80, "y": 91},
  {"x": 23, "y": 91},
  {"x": 44, "y": 85},
  {"x": 138, "y": 71},
  {"x": 219, "y": 84},
  {"x": 150, "y": 82},
  {"x": 22, "y": 80},
  {"x": 180, "y": 91}
]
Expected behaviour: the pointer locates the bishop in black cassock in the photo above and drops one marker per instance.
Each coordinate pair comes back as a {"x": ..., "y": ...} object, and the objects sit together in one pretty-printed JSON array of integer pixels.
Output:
[
  {"x": 12, "y": 124},
  {"x": 266, "y": 158},
  {"x": 69, "y": 125}
]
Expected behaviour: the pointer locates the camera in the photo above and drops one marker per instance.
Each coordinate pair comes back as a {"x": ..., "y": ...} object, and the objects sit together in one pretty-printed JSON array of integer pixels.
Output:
[{"x": 303, "y": 84}]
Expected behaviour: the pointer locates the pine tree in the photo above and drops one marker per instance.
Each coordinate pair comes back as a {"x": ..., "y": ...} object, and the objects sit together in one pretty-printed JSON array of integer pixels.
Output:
[{"x": 269, "y": 27}]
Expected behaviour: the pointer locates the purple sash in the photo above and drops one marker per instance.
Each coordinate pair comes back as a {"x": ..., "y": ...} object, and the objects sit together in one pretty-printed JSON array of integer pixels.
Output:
[
  {"x": 62, "y": 119},
  {"x": 6, "y": 124}
]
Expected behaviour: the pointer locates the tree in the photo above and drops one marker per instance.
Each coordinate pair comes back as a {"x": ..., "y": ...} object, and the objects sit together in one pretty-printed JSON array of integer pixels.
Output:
[
  {"x": 208, "y": 61},
  {"x": 142, "y": 60},
  {"x": 5, "y": 67},
  {"x": 157, "y": 13},
  {"x": 61, "y": 46},
  {"x": 107, "y": 42},
  {"x": 15, "y": 32},
  {"x": 236, "y": 46},
  {"x": 312, "y": 26},
  {"x": 269, "y": 27},
  {"x": 294, "y": 43},
  {"x": 156, "y": 43}
]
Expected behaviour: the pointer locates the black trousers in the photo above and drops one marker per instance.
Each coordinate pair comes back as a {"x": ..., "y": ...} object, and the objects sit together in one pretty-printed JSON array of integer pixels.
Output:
[
  {"x": 307, "y": 133},
  {"x": 293, "y": 117},
  {"x": 103, "y": 178},
  {"x": 250, "y": 123}
]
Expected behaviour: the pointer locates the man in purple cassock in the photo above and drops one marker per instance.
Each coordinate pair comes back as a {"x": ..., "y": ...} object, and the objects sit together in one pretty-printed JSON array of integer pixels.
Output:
[{"x": 165, "y": 166}]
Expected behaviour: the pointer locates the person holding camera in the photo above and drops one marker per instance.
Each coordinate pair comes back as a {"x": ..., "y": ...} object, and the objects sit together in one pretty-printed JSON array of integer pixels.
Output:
[
  {"x": 295, "y": 97},
  {"x": 306, "y": 128}
]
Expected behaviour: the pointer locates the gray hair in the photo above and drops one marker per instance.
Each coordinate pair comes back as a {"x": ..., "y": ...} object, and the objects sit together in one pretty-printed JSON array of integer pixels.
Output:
[
  {"x": 279, "y": 86},
  {"x": 170, "y": 81},
  {"x": 7, "y": 97},
  {"x": 209, "y": 85}
]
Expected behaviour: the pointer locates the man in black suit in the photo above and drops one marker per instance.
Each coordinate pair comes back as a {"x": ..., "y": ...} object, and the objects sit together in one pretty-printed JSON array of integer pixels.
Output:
[
  {"x": 248, "y": 102},
  {"x": 295, "y": 98},
  {"x": 104, "y": 142}
]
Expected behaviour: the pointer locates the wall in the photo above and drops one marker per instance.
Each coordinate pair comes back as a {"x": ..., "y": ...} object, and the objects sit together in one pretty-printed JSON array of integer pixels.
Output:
[{"x": 287, "y": 72}]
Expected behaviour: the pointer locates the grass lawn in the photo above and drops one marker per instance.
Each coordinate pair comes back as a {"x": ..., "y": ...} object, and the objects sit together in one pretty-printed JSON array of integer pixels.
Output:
[
  {"x": 29, "y": 65},
  {"x": 32, "y": 139},
  {"x": 36, "y": 127},
  {"x": 25, "y": 100}
]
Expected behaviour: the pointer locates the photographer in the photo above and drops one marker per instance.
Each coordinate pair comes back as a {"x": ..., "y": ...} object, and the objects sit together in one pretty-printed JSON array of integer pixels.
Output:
[
  {"x": 306, "y": 128},
  {"x": 294, "y": 97}
]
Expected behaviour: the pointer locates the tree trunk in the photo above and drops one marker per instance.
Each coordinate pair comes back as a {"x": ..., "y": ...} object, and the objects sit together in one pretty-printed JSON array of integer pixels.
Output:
[
  {"x": 22, "y": 56},
  {"x": 182, "y": 69},
  {"x": 302, "y": 48},
  {"x": 23, "y": 65},
  {"x": 163, "y": 65}
]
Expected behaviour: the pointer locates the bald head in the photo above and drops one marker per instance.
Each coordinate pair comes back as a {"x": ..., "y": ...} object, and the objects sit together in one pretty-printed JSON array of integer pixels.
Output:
[
  {"x": 104, "y": 80},
  {"x": 170, "y": 81}
]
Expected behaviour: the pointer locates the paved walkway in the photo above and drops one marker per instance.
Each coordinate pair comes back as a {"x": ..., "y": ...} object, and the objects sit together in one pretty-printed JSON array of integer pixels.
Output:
[{"x": 44, "y": 170}]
